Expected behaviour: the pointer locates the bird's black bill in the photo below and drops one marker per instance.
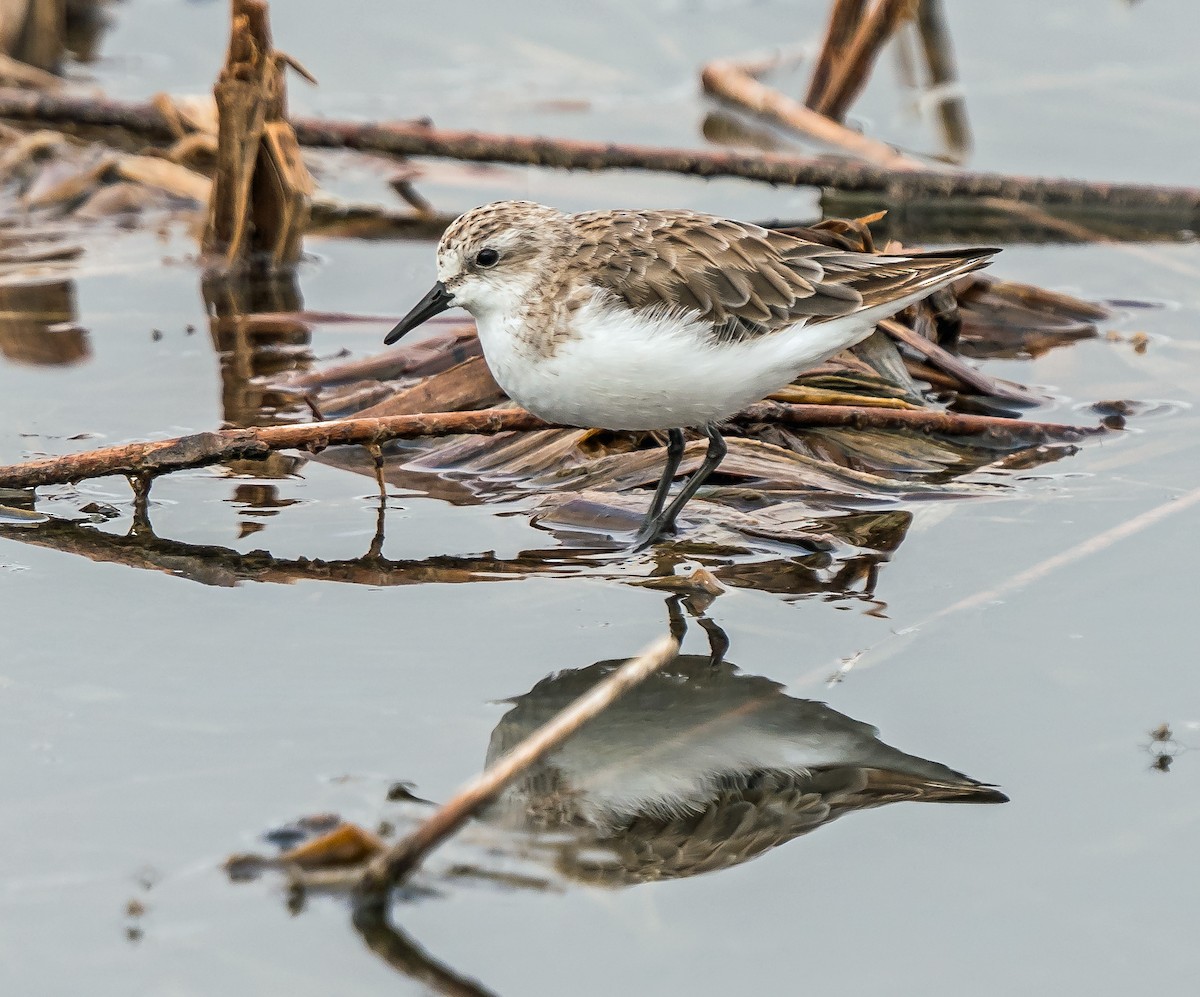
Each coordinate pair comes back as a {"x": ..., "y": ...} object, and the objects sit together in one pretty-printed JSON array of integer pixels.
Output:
[{"x": 434, "y": 303}]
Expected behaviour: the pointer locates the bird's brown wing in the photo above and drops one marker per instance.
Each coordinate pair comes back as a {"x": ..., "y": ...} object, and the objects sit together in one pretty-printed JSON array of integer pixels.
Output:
[{"x": 747, "y": 280}]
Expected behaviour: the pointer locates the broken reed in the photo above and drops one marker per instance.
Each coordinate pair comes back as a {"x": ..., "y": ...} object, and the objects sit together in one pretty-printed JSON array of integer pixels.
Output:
[{"x": 259, "y": 207}]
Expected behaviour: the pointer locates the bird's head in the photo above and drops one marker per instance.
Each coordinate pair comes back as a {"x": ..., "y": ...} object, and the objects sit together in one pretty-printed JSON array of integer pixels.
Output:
[{"x": 489, "y": 259}]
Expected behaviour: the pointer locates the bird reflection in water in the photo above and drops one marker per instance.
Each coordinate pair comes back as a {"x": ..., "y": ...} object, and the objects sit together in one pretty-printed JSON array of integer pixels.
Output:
[{"x": 700, "y": 768}]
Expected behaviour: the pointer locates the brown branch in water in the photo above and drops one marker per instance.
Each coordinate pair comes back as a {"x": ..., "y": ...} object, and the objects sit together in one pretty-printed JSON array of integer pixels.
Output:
[
  {"x": 844, "y": 17},
  {"x": 849, "y": 75},
  {"x": 732, "y": 82},
  {"x": 202, "y": 449},
  {"x": 390, "y": 868},
  {"x": 418, "y": 139}
]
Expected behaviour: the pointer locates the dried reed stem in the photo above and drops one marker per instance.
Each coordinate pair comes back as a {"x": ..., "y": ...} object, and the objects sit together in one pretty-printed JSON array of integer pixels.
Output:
[
  {"x": 943, "y": 73},
  {"x": 844, "y": 17},
  {"x": 889, "y": 645},
  {"x": 259, "y": 207},
  {"x": 732, "y": 82},
  {"x": 917, "y": 420},
  {"x": 849, "y": 75}
]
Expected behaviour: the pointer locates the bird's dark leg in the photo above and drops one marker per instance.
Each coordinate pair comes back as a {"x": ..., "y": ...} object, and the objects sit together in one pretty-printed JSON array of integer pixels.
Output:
[
  {"x": 674, "y": 456},
  {"x": 678, "y": 622},
  {"x": 716, "y": 453},
  {"x": 664, "y": 522},
  {"x": 718, "y": 641}
]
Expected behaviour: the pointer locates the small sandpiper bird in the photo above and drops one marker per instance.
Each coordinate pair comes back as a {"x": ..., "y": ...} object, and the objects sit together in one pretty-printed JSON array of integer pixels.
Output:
[
  {"x": 700, "y": 768},
  {"x": 661, "y": 320}
]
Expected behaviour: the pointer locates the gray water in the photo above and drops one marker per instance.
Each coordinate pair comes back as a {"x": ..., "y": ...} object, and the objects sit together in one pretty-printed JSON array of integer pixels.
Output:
[{"x": 153, "y": 724}]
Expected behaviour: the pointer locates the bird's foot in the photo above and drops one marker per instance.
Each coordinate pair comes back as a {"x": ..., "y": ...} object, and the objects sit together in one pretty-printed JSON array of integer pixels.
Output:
[{"x": 651, "y": 531}]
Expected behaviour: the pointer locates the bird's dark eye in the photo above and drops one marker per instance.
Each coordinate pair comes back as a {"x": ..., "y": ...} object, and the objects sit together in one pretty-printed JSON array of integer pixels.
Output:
[{"x": 487, "y": 258}]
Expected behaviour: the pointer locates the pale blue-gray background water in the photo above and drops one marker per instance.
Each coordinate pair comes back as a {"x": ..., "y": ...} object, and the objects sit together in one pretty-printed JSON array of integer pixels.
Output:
[{"x": 149, "y": 725}]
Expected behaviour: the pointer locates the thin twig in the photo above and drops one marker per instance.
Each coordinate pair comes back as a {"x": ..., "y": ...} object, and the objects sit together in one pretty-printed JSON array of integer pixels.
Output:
[
  {"x": 896, "y": 639},
  {"x": 730, "y": 81},
  {"x": 1085, "y": 548},
  {"x": 417, "y": 139},
  {"x": 392, "y": 866},
  {"x": 256, "y": 443}
]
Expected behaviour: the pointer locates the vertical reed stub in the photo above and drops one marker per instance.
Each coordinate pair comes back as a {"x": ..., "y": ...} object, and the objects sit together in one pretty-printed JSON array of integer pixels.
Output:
[{"x": 259, "y": 207}]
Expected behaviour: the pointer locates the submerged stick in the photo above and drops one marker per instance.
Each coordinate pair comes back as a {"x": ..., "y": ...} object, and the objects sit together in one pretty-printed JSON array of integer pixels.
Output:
[
  {"x": 416, "y": 139},
  {"x": 202, "y": 449},
  {"x": 401, "y": 953},
  {"x": 732, "y": 82},
  {"x": 1085, "y": 548},
  {"x": 223, "y": 567},
  {"x": 392, "y": 866}
]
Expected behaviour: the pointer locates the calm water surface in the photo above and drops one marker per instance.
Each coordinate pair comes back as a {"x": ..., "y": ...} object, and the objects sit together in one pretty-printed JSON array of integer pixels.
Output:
[{"x": 152, "y": 723}]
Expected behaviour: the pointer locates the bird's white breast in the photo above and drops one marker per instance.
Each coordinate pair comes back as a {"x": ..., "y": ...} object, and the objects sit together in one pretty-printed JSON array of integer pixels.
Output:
[{"x": 620, "y": 369}]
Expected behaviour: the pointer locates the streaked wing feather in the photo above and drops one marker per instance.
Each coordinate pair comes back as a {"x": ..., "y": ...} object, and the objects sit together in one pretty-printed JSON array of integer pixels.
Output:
[
  {"x": 878, "y": 279},
  {"x": 747, "y": 280}
]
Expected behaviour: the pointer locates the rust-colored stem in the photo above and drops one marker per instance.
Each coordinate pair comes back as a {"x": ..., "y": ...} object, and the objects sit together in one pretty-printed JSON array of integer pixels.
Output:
[{"x": 203, "y": 449}]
